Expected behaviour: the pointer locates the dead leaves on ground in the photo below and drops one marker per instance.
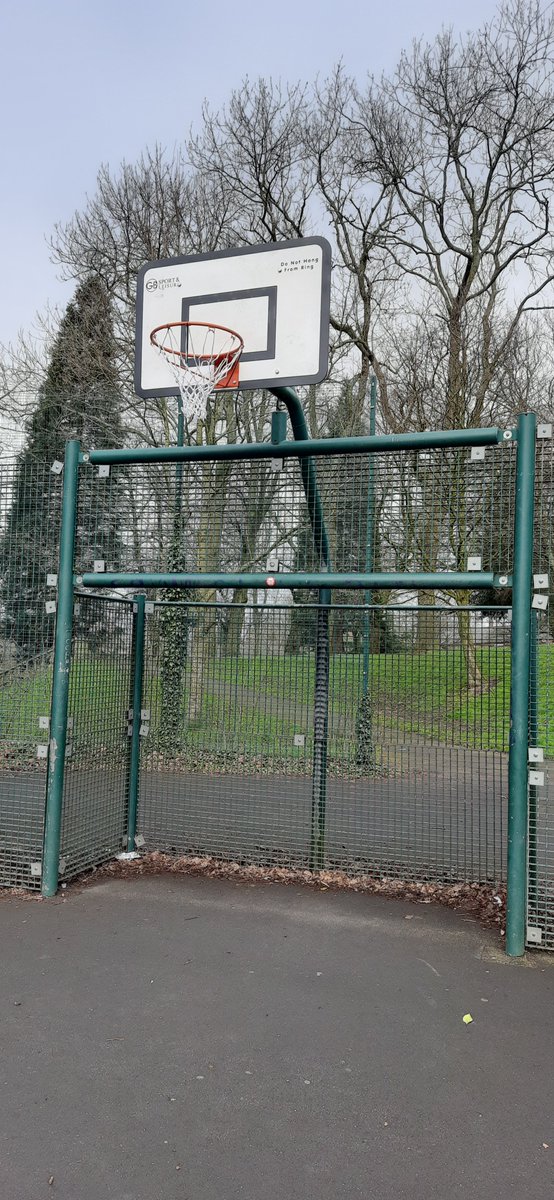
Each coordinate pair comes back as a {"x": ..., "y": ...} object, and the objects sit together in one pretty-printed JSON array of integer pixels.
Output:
[{"x": 486, "y": 902}]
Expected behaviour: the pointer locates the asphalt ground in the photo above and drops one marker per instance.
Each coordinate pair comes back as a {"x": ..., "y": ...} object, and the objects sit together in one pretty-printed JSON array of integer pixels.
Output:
[{"x": 174, "y": 1038}]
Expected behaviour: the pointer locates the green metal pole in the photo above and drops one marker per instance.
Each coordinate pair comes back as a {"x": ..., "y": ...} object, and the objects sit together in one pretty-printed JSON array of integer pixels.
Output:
[
  {"x": 397, "y": 580},
  {"x": 289, "y": 398},
  {"x": 179, "y": 466},
  {"x": 180, "y": 424},
  {"x": 304, "y": 446},
  {"x": 519, "y": 693},
  {"x": 60, "y": 684},
  {"x": 138, "y": 678},
  {"x": 370, "y": 521},
  {"x": 533, "y": 741}
]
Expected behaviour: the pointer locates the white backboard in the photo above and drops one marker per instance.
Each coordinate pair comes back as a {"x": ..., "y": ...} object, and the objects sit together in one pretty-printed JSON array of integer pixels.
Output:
[{"x": 275, "y": 295}]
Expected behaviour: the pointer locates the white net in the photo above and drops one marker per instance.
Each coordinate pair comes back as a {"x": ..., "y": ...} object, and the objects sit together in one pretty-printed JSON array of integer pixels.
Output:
[{"x": 201, "y": 358}]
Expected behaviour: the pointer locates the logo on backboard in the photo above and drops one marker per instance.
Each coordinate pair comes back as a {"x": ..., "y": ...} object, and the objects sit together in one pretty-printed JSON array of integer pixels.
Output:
[{"x": 154, "y": 285}]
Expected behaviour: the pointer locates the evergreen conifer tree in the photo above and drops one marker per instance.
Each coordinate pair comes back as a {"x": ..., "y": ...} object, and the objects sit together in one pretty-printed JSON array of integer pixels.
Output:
[{"x": 78, "y": 399}]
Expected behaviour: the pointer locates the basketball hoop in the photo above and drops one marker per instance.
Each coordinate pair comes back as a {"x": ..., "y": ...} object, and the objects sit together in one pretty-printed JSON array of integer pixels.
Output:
[{"x": 203, "y": 358}]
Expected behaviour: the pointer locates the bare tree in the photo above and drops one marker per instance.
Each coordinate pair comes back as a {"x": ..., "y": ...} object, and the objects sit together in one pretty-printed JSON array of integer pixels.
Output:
[
  {"x": 359, "y": 208},
  {"x": 253, "y": 150},
  {"x": 463, "y": 135}
]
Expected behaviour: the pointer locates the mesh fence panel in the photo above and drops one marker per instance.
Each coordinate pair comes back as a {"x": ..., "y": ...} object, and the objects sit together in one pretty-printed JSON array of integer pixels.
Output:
[
  {"x": 540, "y": 916},
  {"x": 30, "y": 502},
  {"x": 427, "y": 510},
  {"x": 418, "y": 696},
  {"x": 97, "y": 767},
  {"x": 417, "y": 756}
]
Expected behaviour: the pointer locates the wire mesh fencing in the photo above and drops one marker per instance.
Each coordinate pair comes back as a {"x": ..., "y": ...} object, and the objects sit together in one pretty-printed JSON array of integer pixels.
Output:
[
  {"x": 30, "y": 505},
  {"x": 412, "y": 707},
  {"x": 540, "y": 910},
  {"x": 97, "y": 757},
  {"x": 416, "y": 754},
  {"x": 431, "y": 510}
]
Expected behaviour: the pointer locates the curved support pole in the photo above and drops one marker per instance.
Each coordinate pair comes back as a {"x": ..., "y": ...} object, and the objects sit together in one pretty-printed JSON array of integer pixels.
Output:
[{"x": 288, "y": 397}]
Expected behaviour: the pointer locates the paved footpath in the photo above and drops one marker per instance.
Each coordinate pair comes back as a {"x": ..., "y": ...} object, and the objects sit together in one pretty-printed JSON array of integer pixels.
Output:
[{"x": 189, "y": 1039}]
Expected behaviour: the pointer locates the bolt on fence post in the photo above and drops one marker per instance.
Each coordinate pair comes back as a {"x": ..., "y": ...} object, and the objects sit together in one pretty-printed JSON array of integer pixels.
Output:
[
  {"x": 60, "y": 682},
  {"x": 519, "y": 689},
  {"x": 134, "y": 751}
]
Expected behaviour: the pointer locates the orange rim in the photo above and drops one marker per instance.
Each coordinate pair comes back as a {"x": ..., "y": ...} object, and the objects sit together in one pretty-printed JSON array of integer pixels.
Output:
[{"x": 229, "y": 354}]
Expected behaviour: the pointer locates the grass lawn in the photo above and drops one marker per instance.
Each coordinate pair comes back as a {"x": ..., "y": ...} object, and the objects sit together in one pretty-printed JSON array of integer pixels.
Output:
[{"x": 260, "y": 703}]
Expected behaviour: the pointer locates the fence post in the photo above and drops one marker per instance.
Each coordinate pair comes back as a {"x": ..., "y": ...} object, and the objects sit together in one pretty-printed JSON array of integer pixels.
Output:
[
  {"x": 60, "y": 684},
  {"x": 519, "y": 690},
  {"x": 533, "y": 741},
  {"x": 139, "y": 609},
  {"x": 370, "y": 521}
]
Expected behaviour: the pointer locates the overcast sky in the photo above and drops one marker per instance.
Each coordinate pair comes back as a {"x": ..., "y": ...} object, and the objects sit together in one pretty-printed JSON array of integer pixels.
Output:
[{"x": 85, "y": 82}]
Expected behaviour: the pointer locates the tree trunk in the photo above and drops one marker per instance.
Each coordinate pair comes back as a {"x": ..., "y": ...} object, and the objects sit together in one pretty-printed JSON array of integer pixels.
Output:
[
  {"x": 235, "y": 625},
  {"x": 214, "y": 487},
  {"x": 202, "y": 655},
  {"x": 426, "y": 632},
  {"x": 474, "y": 677}
]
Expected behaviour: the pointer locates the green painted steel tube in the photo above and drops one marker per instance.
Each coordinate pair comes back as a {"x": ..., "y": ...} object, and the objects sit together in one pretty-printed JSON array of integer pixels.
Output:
[
  {"x": 294, "y": 579},
  {"x": 289, "y": 397},
  {"x": 304, "y": 446},
  {"x": 60, "y": 683},
  {"x": 519, "y": 691},
  {"x": 278, "y": 427},
  {"x": 533, "y": 741},
  {"x": 134, "y": 754}
]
